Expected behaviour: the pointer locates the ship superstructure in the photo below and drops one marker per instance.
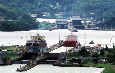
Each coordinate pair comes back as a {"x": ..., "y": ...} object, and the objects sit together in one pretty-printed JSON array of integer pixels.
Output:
[
  {"x": 71, "y": 41},
  {"x": 36, "y": 44}
]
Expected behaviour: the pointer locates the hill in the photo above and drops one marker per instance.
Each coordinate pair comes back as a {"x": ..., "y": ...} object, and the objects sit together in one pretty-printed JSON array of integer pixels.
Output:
[
  {"x": 99, "y": 9},
  {"x": 12, "y": 19}
]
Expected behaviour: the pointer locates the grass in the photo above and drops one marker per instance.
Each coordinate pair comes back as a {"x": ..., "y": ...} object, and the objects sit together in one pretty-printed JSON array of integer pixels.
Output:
[
  {"x": 11, "y": 53},
  {"x": 8, "y": 47},
  {"x": 109, "y": 68},
  {"x": 11, "y": 48}
]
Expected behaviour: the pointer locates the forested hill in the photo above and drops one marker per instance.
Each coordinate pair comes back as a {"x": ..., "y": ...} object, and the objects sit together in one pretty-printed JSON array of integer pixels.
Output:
[
  {"x": 21, "y": 9},
  {"x": 77, "y": 7},
  {"x": 14, "y": 19}
]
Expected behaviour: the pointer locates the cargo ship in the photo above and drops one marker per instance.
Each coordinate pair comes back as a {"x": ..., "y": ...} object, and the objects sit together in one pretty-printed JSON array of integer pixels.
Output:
[
  {"x": 71, "y": 41},
  {"x": 34, "y": 47}
]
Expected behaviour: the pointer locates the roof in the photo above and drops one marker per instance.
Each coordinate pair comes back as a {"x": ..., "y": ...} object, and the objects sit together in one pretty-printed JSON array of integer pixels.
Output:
[{"x": 76, "y": 18}]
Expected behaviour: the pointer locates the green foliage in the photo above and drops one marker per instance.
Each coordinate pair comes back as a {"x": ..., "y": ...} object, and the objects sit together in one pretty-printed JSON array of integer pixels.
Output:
[
  {"x": 45, "y": 25},
  {"x": 83, "y": 52},
  {"x": 111, "y": 56},
  {"x": 17, "y": 9},
  {"x": 12, "y": 19},
  {"x": 101, "y": 8},
  {"x": 16, "y": 25},
  {"x": 76, "y": 55},
  {"x": 108, "y": 68},
  {"x": 12, "y": 55}
]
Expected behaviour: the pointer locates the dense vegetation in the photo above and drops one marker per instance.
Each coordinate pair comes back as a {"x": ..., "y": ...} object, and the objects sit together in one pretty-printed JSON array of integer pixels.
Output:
[
  {"x": 108, "y": 67},
  {"x": 21, "y": 10},
  {"x": 105, "y": 59},
  {"x": 101, "y": 8},
  {"x": 12, "y": 19}
]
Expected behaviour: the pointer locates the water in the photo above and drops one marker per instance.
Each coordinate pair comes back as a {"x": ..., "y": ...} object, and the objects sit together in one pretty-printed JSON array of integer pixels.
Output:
[
  {"x": 46, "y": 68},
  {"x": 52, "y": 37}
]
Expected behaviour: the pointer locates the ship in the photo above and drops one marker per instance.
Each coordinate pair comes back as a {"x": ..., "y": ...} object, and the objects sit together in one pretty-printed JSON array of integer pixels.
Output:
[
  {"x": 71, "y": 41},
  {"x": 36, "y": 44},
  {"x": 37, "y": 53},
  {"x": 34, "y": 47}
]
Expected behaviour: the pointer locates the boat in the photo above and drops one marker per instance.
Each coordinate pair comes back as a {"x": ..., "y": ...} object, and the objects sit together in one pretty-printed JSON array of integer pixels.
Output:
[
  {"x": 71, "y": 41},
  {"x": 36, "y": 44},
  {"x": 34, "y": 47}
]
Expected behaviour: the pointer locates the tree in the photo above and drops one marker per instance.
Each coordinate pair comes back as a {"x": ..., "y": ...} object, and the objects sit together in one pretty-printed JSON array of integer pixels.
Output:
[
  {"x": 111, "y": 56},
  {"x": 83, "y": 52}
]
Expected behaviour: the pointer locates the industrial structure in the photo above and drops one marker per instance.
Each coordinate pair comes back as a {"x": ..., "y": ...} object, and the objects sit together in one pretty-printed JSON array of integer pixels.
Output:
[{"x": 37, "y": 52}]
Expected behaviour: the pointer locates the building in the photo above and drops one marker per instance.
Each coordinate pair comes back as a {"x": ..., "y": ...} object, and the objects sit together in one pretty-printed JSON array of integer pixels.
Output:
[
  {"x": 90, "y": 24},
  {"x": 62, "y": 23},
  {"x": 76, "y": 22}
]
